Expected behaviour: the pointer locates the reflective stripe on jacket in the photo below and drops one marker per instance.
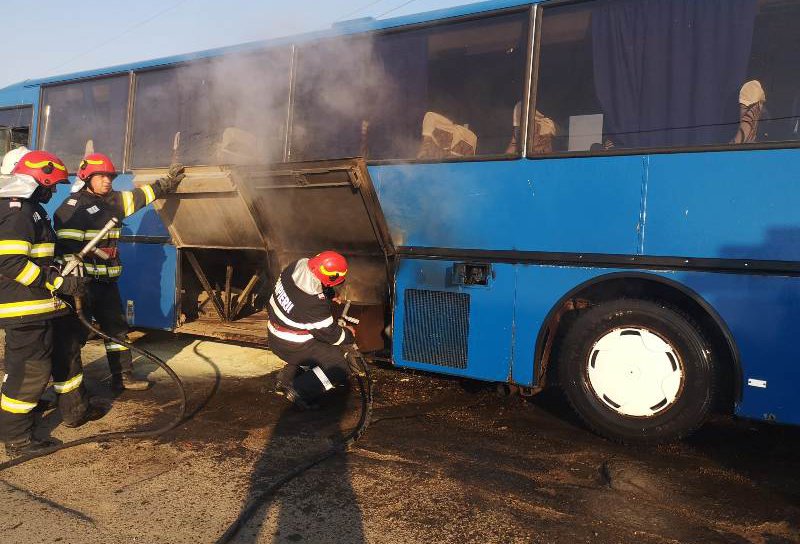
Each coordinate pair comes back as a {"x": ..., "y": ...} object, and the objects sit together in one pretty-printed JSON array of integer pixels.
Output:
[
  {"x": 81, "y": 216},
  {"x": 27, "y": 247},
  {"x": 298, "y": 317}
]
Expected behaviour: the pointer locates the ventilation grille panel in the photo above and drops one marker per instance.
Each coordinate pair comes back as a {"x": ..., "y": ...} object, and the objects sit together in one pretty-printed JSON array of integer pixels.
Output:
[{"x": 436, "y": 328}]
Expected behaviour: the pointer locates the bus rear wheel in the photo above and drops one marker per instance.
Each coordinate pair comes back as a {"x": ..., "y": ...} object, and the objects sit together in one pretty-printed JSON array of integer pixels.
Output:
[{"x": 637, "y": 371}]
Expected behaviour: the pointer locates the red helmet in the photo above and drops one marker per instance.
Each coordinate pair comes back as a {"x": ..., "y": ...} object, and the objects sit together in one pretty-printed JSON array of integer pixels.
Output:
[
  {"x": 44, "y": 167},
  {"x": 96, "y": 163},
  {"x": 329, "y": 267}
]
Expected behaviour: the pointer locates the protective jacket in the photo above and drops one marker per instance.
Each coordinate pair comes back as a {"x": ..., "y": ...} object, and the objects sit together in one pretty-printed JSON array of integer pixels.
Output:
[
  {"x": 81, "y": 216},
  {"x": 299, "y": 312},
  {"x": 27, "y": 246}
]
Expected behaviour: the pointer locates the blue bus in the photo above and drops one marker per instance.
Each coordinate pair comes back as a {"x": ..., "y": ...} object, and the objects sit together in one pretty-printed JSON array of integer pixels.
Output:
[{"x": 592, "y": 194}]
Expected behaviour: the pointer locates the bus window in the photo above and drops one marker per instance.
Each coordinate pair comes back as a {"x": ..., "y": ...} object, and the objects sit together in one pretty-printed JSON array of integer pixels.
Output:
[
  {"x": 15, "y": 128},
  {"x": 616, "y": 74},
  {"x": 769, "y": 99},
  {"x": 230, "y": 110},
  {"x": 86, "y": 116},
  {"x": 434, "y": 93}
]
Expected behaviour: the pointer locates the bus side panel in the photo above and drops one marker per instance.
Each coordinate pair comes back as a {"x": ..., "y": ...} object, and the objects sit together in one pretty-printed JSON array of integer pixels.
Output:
[
  {"x": 453, "y": 329},
  {"x": 148, "y": 282},
  {"x": 560, "y": 205},
  {"x": 762, "y": 313},
  {"x": 728, "y": 205},
  {"x": 539, "y": 288}
]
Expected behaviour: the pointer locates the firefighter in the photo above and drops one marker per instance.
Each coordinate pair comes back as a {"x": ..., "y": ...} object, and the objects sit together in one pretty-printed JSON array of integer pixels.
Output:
[
  {"x": 303, "y": 332},
  {"x": 91, "y": 204},
  {"x": 29, "y": 306}
]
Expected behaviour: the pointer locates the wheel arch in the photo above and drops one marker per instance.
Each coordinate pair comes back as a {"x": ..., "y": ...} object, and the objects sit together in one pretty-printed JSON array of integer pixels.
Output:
[{"x": 644, "y": 285}]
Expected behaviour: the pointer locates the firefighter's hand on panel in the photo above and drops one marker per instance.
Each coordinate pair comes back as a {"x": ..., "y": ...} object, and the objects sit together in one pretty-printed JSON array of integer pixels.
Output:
[{"x": 173, "y": 178}]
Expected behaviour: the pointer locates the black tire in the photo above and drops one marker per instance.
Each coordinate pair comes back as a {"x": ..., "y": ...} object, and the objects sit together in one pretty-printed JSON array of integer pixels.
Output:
[{"x": 693, "y": 400}]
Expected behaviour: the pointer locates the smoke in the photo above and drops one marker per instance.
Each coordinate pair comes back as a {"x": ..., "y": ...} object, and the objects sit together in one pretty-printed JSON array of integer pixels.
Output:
[
  {"x": 361, "y": 95},
  {"x": 234, "y": 112}
]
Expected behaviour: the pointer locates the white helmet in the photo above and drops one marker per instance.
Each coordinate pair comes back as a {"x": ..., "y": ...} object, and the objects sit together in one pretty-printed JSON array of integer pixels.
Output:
[{"x": 11, "y": 159}]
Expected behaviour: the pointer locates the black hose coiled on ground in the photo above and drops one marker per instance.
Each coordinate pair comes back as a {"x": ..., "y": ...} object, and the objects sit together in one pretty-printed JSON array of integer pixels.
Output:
[
  {"x": 365, "y": 389},
  {"x": 117, "y": 435}
]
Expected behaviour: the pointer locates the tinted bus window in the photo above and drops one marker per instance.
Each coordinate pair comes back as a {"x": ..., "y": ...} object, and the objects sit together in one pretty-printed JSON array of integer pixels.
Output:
[
  {"x": 231, "y": 110},
  {"x": 621, "y": 74},
  {"x": 87, "y": 116},
  {"x": 434, "y": 93},
  {"x": 15, "y": 128},
  {"x": 769, "y": 100}
]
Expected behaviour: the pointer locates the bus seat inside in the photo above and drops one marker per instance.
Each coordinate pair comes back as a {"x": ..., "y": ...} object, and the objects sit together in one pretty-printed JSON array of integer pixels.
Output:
[
  {"x": 751, "y": 107},
  {"x": 442, "y": 138}
]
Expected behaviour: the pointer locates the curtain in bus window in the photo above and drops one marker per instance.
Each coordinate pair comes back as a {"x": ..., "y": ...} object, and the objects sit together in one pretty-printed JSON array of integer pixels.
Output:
[{"x": 668, "y": 72}]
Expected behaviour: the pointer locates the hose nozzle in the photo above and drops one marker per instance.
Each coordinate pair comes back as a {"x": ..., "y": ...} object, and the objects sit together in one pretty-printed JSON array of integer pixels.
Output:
[{"x": 74, "y": 264}]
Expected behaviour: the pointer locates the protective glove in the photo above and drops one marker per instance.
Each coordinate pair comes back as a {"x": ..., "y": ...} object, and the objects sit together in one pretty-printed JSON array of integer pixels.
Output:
[
  {"x": 173, "y": 178},
  {"x": 72, "y": 286}
]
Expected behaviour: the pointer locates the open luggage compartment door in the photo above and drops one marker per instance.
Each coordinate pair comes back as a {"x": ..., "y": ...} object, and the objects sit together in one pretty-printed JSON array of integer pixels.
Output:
[
  {"x": 236, "y": 227},
  {"x": 206, "y": 211},
  {"x": 305, "y": 208}
]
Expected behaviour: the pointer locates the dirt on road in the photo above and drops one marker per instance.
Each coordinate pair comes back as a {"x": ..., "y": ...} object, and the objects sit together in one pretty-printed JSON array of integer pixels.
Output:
[{"x": 443, "y": 461}]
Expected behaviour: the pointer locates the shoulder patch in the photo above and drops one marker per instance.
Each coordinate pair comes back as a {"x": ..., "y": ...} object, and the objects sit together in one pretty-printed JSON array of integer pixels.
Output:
[
  {"x": 93, "y": 210},
  {"x": 72, "y": 202},
  {"x": 36, "y": 216}
]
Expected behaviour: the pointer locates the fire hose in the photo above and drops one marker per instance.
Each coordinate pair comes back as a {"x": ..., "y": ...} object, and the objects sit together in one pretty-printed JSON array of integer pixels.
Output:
[
  {"x": 360, "y": 370},
  {"x": 73, "y": 267},
  {"x": 356, "y": 360}
]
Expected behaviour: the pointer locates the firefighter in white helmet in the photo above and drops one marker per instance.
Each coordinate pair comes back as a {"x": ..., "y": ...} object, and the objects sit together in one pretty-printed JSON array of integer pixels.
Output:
[{"x": 29, "y": 306}]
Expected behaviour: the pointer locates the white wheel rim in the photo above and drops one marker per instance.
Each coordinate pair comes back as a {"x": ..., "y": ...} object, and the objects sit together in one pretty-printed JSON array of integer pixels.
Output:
[{"x": 635, "y": 372}]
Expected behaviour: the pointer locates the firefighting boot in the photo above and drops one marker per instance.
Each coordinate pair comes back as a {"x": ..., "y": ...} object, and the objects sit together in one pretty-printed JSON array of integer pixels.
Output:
[
  {"x": 285, "y": 378},
  {"x": 93, "y": 412},
  {"x": 126, "y": 381},
  {"x": 29, "y": 446},
  {"x": 46, "y": 403},
  {"x": 307, "y": 387}
]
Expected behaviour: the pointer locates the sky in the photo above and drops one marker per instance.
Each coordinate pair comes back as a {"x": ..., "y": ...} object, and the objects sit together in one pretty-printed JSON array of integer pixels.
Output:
[{"x": 50, "y": 37}]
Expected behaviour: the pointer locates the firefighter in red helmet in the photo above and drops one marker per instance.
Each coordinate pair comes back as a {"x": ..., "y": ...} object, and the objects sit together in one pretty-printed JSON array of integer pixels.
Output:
[
  {"x": 29, "y": 307},
  {"x": 91, "y": 204},
  {"x": 302, "y": 330}
]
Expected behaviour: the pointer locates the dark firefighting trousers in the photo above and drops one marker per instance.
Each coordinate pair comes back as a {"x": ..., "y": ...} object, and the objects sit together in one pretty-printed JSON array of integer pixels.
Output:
[
  {"x": 102, "y": 301},
  {"x": 312, "y": 368},
  {"x": 32, "y": 355}
]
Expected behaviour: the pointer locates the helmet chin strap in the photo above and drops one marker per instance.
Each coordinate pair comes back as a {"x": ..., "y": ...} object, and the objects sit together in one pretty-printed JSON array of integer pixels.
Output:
[
  {"x": 329, "y": 292},
  {"x": 42, "y": 194}
]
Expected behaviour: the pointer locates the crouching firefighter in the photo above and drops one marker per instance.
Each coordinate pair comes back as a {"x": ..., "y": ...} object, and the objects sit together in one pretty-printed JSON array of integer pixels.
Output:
[
  {"x": 29, "y": 306},
  {"x": 303, "y": 332},
  {"x": 91, "y": 204}
]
